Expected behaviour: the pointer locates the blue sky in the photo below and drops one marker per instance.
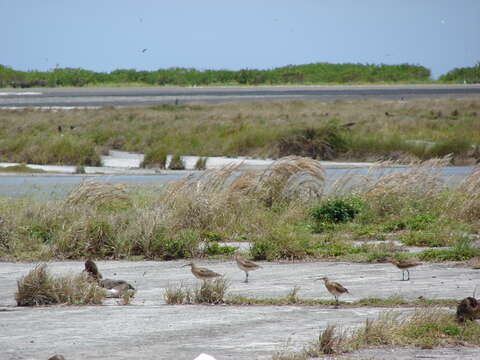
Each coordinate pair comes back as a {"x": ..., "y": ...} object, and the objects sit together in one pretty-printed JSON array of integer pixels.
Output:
[{"x": 104, "y": 35}]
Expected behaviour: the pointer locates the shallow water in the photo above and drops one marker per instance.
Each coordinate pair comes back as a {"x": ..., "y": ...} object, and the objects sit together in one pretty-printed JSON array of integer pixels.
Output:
[{"x": 58, "y": 186}]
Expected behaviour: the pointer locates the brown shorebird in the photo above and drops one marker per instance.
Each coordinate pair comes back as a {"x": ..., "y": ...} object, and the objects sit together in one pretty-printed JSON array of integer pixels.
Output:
[
  {"x": 468, "y": 309},
  {"x": 56, "y": 357},
  {"x": 334, "y": 288},
  {"x": 116, "y": 288},
  {"x": 202, "y": 273},
  {"x": 246, "y": 265},
  {"x": 92, "y": 270},
  {"x": 404, "y": 265}
]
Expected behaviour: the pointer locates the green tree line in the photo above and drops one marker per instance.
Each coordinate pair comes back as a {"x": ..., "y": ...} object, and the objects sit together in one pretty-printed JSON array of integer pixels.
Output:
[{"x": 308, "y": 74}]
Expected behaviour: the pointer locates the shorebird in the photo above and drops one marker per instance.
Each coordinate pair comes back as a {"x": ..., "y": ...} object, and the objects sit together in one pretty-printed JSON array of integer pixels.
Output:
[
  {"x": 92, "y": 270},
  {"x": 202, "y": 273},
  {"x": 56, "y": 357},
  {"x": 334, "y": 288},
  {"x": 404, "y": 265},
  {"x": 246, "y": 265},
  {"x": 115, "y": 288},
  {"x": 468, "y": 309}
]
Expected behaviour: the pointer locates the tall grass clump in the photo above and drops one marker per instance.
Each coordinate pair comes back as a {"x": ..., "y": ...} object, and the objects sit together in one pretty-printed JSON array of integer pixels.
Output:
[
  {"x": 155, "y": 157},
  {"x": 176, "y": 163},
  {"x": 209, "y": 292},
  {"x": 323, "y": 143},
  {"x": 464, "y": 202},
  {"x": 38, "y": 287}
]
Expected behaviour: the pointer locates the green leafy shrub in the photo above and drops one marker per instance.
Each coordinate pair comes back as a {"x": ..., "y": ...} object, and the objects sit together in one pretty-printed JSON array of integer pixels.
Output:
[
  {"x": 214, "y": 248},
  {"x": 336, "y": 211}
]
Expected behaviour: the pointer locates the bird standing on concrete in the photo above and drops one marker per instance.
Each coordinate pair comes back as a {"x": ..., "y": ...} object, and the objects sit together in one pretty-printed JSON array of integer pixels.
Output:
[
  {"x": 246, "y": 265},
  {"x": 404, "y": 265},
  {"x": 334, "y": 288},
  {"x": 202, "y": 273}
]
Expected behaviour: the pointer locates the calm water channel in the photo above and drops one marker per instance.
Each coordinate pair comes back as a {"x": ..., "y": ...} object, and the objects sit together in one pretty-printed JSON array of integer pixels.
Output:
[{"x": 58, "y": 186}]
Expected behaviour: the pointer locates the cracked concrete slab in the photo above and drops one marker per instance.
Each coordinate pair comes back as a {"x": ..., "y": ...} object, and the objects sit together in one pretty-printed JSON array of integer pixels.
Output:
[{"x": 150, "y": 329}]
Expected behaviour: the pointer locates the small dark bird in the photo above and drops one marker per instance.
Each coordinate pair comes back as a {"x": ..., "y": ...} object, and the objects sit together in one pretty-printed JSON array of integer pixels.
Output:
[
  {"x": 92, "y": 270},
  {"x": 388, "y": 114},
  {"x": 144, "y": 50},
  {"x": 468, "y": 309},
  {"x": 59, "y": 128},
  {"x": 72, "y": 127}
]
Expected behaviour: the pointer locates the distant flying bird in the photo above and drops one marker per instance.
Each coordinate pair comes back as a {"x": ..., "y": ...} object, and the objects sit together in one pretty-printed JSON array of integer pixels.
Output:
[{"x": 144, "y": 50}]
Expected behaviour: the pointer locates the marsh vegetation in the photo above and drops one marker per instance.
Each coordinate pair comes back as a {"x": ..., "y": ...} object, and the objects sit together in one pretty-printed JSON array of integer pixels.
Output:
[
  {"x": 283, "y": 212},
  {"x": 377, "y": 130}
]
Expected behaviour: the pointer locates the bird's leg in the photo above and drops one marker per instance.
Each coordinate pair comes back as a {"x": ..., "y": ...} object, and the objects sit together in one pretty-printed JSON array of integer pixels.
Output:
[
  {"x": 336, "y": 301},
  {"x": 408, "y": 273},
  {"x": 403, "y": 275},
  {"x": 246, "y": 277}
]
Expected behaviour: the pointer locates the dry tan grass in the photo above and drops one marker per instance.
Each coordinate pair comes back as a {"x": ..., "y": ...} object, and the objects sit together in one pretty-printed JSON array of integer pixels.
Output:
[
  {"x": 209, "y": 292},
  {"x": 38, "y": 287},
  {"x": 217, "y": 197},
  {"x": 466, "y": 200},
  {"x": 98, "y": 193}
]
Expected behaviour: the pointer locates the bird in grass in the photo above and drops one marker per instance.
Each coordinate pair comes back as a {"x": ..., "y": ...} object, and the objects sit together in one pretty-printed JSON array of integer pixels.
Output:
[
  {"x": 404, "y": 265},
  {"x": 334, "y": 288},
  {"x": 115, "y": 288},
  {"x": 468, "y": 309},
  {"x": 246, "y": 265},
  {"x": 202, "y": 273}
]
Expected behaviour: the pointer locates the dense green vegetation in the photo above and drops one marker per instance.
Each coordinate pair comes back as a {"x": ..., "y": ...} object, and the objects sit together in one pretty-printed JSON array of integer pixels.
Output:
[
  {"x": 309, "y": 74},
  {"x": 469, "y": 75}
]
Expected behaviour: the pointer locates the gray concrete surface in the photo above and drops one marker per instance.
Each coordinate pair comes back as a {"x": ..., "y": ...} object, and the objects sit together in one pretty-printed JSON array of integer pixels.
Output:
[
  {"x": 95, "y": 97},
  {"x": 150, "y": 329}
]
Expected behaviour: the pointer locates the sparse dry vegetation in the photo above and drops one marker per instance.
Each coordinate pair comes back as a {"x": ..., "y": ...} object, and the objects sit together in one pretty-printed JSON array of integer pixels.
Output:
[
  {"x": 38, "y": 287},
  {"x": 209, "y": 292},
  {"x": 425, "y": 328}
]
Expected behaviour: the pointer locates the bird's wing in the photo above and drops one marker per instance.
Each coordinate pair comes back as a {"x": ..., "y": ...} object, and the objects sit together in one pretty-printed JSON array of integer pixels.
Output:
[
  {"x": 340, "y": 287},
  {"x": 249, "y": 263},
  {"x": 207, "y": 272}
]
